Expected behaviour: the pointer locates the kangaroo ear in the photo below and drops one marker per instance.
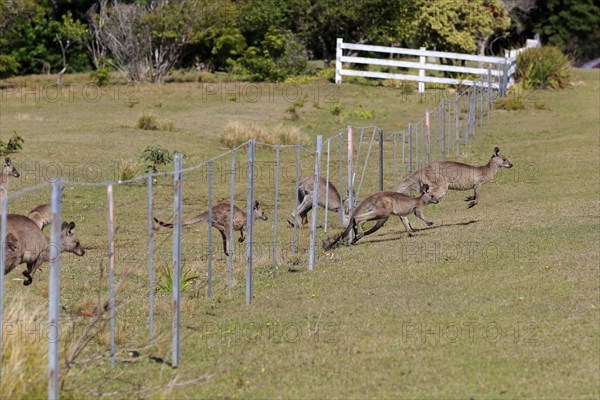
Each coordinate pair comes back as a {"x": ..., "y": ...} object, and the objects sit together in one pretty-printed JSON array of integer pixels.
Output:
[
  {"x": 255, "y": 203},
  {"x": 71, "y": 225},
  {"x": 425, "y": 188},
  {"x": 7, "y": 161},
  {"x": 496, "y": 151}
]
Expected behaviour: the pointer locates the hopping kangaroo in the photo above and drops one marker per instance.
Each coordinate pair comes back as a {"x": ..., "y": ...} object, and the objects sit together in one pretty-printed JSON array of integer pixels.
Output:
[
  {"x": 379, "y": 207},
  {"x": 305, "y": 199},
  {"x": 25, "y": 243},
  {"x": 441, "y": 176},
  {"x": 8, "y": 169},
  {"x": 41, "y": 214},
  {"x": 220, "y": 220}
]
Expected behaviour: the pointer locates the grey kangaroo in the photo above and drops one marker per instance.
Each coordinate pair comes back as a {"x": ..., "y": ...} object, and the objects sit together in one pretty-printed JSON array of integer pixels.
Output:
[
  {"x": 305, "y": 199},
  {"x": 8, "y": 169},
  {"x": 25, "y": 243},
  {"x": 220, "y": 220},
  {"x": 379, "y": 207},
  {"x": 41, "y": 214},
  {"x": 445, "y": 175}
]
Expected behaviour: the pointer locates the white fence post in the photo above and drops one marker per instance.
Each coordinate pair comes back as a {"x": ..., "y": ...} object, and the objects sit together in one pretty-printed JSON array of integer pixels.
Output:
[
  {"x": 315, "y": 206},
  {"x": 422, "y": 72},
  {"x": 54, "y": 290},
  {"x": 338, "y": 61}
]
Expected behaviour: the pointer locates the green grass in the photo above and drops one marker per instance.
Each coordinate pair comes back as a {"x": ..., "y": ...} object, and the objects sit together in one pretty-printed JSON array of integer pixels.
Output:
[{"x": 497, "y": 301}]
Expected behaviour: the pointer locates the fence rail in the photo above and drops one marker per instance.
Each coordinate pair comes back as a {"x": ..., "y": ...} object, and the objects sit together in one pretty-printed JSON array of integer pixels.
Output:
[{"x": 502, "y": 69}]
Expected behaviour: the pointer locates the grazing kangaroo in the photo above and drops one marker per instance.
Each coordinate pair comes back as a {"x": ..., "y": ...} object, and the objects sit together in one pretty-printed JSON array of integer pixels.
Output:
[
  {"x": 305, "y": 199},
  {"x": 441, "y": 176},
  {"x": 25, "y": 243},
  {"x": 220, "y": 220},
  {"x": 379, "y": 207},
  {"x": 41, "y": 214},
  {"x": 8, "y": 169}
]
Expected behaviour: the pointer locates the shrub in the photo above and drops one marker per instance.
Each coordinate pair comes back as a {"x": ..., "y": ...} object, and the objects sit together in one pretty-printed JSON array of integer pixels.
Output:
[
  {"x": 15, "y": 143},
  {"x": 101, "y": 76},
  {"x": 541, "y": 68},
  {"x": 128, "y": 170},
  {"x": 510, "y": 104},
  {"x": 148, "y": 122},
  {"x": 154, "y": 156},
  {"x": 165, "y": 279}
]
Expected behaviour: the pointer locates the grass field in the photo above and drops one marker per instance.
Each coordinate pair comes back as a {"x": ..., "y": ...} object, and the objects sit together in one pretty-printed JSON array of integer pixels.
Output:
[{"x": 498, "y": 301}]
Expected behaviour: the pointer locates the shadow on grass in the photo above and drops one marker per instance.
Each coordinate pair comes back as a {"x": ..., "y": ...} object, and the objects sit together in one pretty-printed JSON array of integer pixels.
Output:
[{"x": 398, "y": 234}]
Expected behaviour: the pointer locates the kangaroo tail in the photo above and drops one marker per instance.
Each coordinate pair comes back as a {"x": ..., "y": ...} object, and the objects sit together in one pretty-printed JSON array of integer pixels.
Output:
[
  {"x": 406, "y": 185},
  {"x": 191, "y": 221}
]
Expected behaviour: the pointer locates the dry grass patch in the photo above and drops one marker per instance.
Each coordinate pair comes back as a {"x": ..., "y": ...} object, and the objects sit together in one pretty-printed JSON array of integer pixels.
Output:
[{"x": 236, "y": 133}]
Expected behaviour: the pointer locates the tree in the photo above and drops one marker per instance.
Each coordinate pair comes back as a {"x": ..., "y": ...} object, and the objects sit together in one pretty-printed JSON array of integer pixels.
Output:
[
  {"x": 144, "y": 41},
  {"x": 571, "y": 25},
  {"x": 14, "y": 14},
  {"x": 462, "y": 26}
]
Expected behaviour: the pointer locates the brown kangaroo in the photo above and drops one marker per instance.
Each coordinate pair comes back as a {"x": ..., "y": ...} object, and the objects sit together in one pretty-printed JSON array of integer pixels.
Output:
[
  {"x": 379, "y": 207},
  {"x": 8, "y": 169},
  {"x": 305, "y": 199},
  {"x": 444, "y": 175},
  {"x": 220, "y": 220},
  {"x": 41, "y": 214},
  {"x": 25, "y": 243}
]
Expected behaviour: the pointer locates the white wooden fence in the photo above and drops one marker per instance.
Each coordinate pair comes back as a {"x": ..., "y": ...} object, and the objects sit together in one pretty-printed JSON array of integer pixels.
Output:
[{"x": 499, "y": 70}]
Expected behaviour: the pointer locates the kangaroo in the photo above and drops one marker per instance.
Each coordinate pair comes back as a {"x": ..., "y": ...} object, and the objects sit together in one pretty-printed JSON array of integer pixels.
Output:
[
  {"x": 8, "y": 169},
  {"x": 305, "y": 199},
  {"x": 441, "y": 176},
  {"x": 41, "y": 214},
  {"x": 379, "y": 207},
  {"x": 25, "y": 243},
  {"x": 220, "y": 220}
]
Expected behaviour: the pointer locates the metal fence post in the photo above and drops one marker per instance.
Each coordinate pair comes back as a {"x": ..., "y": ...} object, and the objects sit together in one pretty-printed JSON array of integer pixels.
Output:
[
  {"x": 111, "y": 272},
  {"x": 176, "y": 266},
  {"x": 327, "y": 186},
  {"x": 443, "y": 129},
  {"x": 315, "y": 206},
  {"x": 150, "y": 261},
  {"x": 341, "y": 188},
  {"x": 350, "y": 179},
  {"x": 295, "y": 234},
  {"x": 381, "y": 160},
  {"x": 250, "y": 222},
  {"x": 53, "y": 289},
  {"x": 3, "y": 213},
  {"x": 231, "y": 200},
  {"x": 210, "y": 220},
  {"x": 277, "y": 151},
  {"x": 410, "y": 141}
]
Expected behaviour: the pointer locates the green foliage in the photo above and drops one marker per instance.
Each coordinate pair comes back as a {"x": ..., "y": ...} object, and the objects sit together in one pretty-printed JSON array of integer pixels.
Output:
[
  {"x": 541, "y": 68},
  {"x": 155, "y": 156},
  {"x": 510, "y": 104},
  {"x": 148, "y": 122},
  {"x": 15, "y": 143},
  {"x": 101, "y": 76},
  {"x": 279, "y": 55},
  {"x": 8, "y": 66},
  {"x": 336, "y": 109},
  {"x": 166, "y": 279},
  {"x": 457, "y": 26}
]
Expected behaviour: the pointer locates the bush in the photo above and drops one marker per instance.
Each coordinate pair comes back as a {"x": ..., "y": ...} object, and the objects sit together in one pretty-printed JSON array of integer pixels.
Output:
[
  {"x": 15, "y": 143},
  {"x": 148, "y": 122},
  {"x": 101, "y": 76},
  {"x": 541, "y": 68}
]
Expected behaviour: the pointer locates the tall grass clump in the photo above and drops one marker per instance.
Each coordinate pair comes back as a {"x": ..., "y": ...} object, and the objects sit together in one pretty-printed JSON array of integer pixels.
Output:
[
  {"x": 24, "y": 352},
  {"x": 542, "y": 68},
  {"x": 236, "y": 133}
]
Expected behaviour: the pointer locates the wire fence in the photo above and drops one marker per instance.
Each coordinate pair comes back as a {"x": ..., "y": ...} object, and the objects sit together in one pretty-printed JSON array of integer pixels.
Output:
[{"x": 351, "y": 159}]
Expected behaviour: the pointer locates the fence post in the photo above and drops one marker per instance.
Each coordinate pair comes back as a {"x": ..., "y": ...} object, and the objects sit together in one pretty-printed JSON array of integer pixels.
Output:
[
  {"x": 457, "y": 122},
  {"x": 210, "y": 228},
  {"x": 231, "y": 200},
  {"x": 250, "y": 222},
  {"x": 410, "y": 141},
  {"x": 443, "y": 129},
  {"x": 488, "y": 104},
  {"x": 295, "y": 234},
  {"x": 111, "y": 272},
  {"x": 3, "y": 213},
  {"x": 381, "y": 160},
  {"x": 350, "y": 180},
  {"x": 341, "y": 209},
  {"x": 327, "y": 185},
  {"x": 176, "y": 266},
  {"x": 338, "y": 61},
  {"x": 277, "y": 151},
  {"x": 422, "y": 71},
  {"x": 395, "y": 134},
  {"x": 428, "y": 125},
  {"x": 150, "y": 261},
  {"x": 53, "y": 288},
  {"x": 315, "y": 206}
]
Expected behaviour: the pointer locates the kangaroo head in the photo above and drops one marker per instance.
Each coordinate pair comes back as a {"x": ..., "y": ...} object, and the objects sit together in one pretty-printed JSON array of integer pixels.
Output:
[
  {"x": 500, "y": 160},
  {"x": 68, "y": 241},
  {"x": 427, "y": 196},
  {"x": 259, "y": 213},
  {"x": 9, "y": 169}
]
